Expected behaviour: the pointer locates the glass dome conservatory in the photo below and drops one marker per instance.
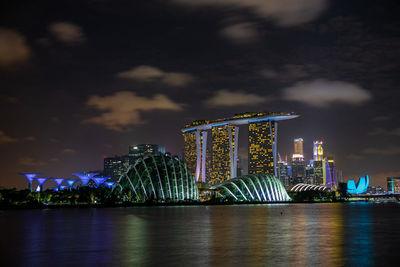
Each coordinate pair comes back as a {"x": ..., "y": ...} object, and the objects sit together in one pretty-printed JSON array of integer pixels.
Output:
[
  {"x": 253, "y": 187},
  {"x": 159, "y": 178}
]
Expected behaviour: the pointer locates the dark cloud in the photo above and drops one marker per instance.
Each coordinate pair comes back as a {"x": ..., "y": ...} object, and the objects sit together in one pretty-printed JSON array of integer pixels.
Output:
[
  {"x": 67, "y": 33},
  {"x": 123, "y": 109},
  {"x": 5, "y": 139},
  {"x": 322, "y": 93},
  {"x": 14, "y": 49},
  {"x": 282, "y": 12},
  {"x": 226, "y": 98},
  {"x": 153, "y": 74}
]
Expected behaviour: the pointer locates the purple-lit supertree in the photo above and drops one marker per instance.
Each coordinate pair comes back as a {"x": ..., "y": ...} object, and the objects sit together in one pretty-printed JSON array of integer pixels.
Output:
[
  {"x": 109, "y": 184},
  {"x": 100, "y": 180},
  {"x": 58, "y": 182},
  {"x": 41, "y": 181},
  {"x": 85, "y": 176},
  {"x": 70, "y": 182},
  {"x": 30, "y": 177}
]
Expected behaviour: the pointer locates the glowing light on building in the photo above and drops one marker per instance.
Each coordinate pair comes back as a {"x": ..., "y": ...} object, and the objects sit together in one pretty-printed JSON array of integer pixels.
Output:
[
  {"x": 318, "y": 151},
  {"x": 298, "y": 149}
]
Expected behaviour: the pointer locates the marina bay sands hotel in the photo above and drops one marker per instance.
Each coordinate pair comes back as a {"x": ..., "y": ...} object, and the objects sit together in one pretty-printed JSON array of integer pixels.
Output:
[{"x": 262, "y": 138}]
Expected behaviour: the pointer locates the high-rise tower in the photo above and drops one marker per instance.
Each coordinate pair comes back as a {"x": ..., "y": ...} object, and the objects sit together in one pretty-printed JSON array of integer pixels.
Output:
[
  {"x": 298, "y": 149},
  {"x": 224, "y": 153},
  {"x": 262, "y": 147},
  {"x": 195, "y": 152},
  {"x": 318, "y": 151}
]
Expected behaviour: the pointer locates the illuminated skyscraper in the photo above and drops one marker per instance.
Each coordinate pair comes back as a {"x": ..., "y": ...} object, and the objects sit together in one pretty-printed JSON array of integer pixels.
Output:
[
  {"x": 224, "y": 153},
  {"x": 195, "y": 153},
  {"x": 329, "y": 173},
  {"x": 318, "y": 172},
  {"x": 298, "y": 149},
  {"x": 225, "y": 132},
  {"x": 318, "y": 151},
  {"x": 262, "y": 147}
]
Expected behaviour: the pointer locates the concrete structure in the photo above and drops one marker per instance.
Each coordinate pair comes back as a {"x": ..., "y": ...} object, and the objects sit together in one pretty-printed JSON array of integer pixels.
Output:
[{"x": 225, "y": 135}]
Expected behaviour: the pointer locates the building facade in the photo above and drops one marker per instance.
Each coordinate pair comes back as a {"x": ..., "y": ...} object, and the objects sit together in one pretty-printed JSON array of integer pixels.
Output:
[
  {"x": 393, "y": 185},
  {"x": 224, "y": 153},
  {"x": 262, "y": 138}
]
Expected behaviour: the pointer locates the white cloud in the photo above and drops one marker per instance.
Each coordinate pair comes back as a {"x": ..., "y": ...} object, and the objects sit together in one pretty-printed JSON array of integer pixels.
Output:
[
  {"x": 29, "y": 161},
  {"x": 241, "y": 32},
  {"x": 282, "y": 12},
  {"x": 322, "y": 93},
  {"x": 121, "y": 110},
  {"x": 4, "y": 139},
  {"x": 226, "y": 98},
  {"x": 67, "y": 33},
  {"x": 153, "y": 74},
  {"x": 13, "y": 48}
]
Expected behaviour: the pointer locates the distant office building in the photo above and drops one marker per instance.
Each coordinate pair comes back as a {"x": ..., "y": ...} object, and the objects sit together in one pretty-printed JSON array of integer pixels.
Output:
[
  {"x": 318, "y": 166},
  {"x": 318, "y": 151},
  {"x": 298, "y": 171},
  {"x": 375, "y": 190},
  {"x": 298, "y": 150},
  {"x": 283, "y": 173},
  {"x": 143, "y": 149},
  {"x": 115, "y": 166},
  {"x": 329, "y": 173},
  {"x": 309, "y": 178},
  {"x": 393, "y": 185},
  {"x": 224, "y": 153},
  {"x": 262, "y": 143}
]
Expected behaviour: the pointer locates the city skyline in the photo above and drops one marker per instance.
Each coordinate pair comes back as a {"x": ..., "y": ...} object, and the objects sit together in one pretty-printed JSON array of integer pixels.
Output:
[{"x": 81, "y": 81}]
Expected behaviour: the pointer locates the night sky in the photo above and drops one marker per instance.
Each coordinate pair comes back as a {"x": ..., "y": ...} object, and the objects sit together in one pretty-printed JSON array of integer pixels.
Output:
[{"x": 80, "y": 80}]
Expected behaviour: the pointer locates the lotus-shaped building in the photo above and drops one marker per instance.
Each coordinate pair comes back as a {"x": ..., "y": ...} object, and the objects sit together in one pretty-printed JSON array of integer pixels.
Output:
[
  {"x": 159, "y": 178},
  {"x": 253, "y": 187}
]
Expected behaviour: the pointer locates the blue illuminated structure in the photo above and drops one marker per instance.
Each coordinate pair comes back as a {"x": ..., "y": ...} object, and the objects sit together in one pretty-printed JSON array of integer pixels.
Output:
[
  {"x": 41, "y": 181},
  {"x": 100, "y": 180},
  {"x": 58, "y": 182},
  {"x": 62, "y": 187},
  {"x": 30, "y": 177},
  {"x": 109, "y": 184},
  {"x": 361, "y": 186},
  {"x": 70, "y": 182},
  {"x": 85, "y": 176}
]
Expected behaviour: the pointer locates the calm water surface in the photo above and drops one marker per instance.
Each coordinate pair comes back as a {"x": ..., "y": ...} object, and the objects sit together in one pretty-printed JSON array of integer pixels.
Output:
[{"x": 351, "y": 234}]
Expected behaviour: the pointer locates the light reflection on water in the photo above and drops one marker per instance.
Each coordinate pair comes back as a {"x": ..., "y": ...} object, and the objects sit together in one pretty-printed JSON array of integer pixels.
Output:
[{"x": 253, "y": 235}]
